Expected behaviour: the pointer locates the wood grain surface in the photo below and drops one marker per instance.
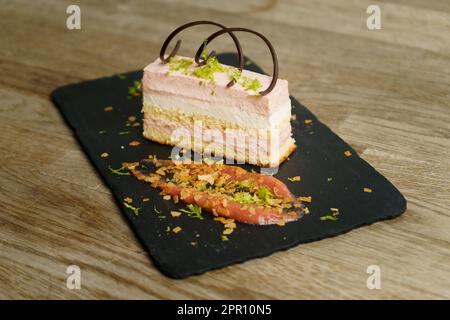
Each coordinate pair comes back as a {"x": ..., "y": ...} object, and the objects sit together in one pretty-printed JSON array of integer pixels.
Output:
[{"x": 386, "y": 92}]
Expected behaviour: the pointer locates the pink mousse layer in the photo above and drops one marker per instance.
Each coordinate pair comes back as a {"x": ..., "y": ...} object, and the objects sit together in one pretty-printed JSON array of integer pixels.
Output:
[{"x": 157, "y": 80}]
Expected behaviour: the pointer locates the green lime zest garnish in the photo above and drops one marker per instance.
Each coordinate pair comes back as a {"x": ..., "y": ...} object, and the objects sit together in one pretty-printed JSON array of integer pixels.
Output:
[
  {"x": 235, "y": 75},
  {"x": 203, "y": 54},
  {"x": 134, "y": 209},
  {"x": 176, "y": 64},
  {"x": 121, "y": 171},
  {"x": 159, "y": 213},
  {"x": 193, "y": 211},
  {"x": 206, "y": 72},
  {"x": 135, "y": 89},
  {"x": 250, "y": 84},
  {"x": 245, "y": 82},
  {"x": 243, "y": 197},
  {"x": 244, "y": 184},
  {"x": 328, "y": 218},
  {"x": 264, "y": 194}
]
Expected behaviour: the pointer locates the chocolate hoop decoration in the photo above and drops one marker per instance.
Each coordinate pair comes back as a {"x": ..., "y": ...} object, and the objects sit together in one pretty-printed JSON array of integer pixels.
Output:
[
  {"x": 271, "y": 48},
  {"x": 166, "y": 43}
]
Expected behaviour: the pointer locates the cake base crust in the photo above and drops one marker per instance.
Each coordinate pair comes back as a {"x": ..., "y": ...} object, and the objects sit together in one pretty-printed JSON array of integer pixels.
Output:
[{"x": 282, "y": 158}]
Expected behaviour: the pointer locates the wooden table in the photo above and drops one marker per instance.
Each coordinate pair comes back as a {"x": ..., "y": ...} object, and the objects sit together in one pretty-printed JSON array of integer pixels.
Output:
[{"x": 386, "y": 92}]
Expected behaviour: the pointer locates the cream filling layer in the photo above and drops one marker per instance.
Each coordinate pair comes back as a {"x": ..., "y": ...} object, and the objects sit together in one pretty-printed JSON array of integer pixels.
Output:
[
  {"x": 242, "y": 117},
  {"x": 262, "y": 152},
  {"x": 173, "y": 131}
]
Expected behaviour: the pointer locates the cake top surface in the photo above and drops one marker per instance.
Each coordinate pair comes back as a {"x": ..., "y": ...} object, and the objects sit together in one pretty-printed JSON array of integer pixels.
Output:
[{"x": 217, "y": 75}]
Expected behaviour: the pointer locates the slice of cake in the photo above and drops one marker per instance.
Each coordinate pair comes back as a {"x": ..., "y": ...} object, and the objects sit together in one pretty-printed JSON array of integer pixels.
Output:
[{"x": 191, "y": 106}]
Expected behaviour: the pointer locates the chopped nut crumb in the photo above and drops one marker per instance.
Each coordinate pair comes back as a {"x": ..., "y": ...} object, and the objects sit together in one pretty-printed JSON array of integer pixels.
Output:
[
  {"x": 347, "y": 153},
  {"x": 109, "y": 109},
  {"x": 104, "y": 155},
  {"x": 131, "y": 118},
  {"x": 308, "y": 121},
  {"x": 230, "y": 225},
  {"x": 134, "y": 143},
  {"x": 176, "y": 229},
  {"x": 368, "y": 190},
  {"x": 334, "y": 209},
  {"x": 145, "y": 199},
  {"x": 175, "y": 214},
  {"x": 281, "y": 223},
  {"x": 128, "y": 200},
  {"x": 136, "y": 124},
  {"x": 167, "y": 197},
  {"x": 228, "y": 231},
  {"x": 294, "y": 179},
  {"x": 306, "y": 210},
  {"x": 306, "y": 199}
]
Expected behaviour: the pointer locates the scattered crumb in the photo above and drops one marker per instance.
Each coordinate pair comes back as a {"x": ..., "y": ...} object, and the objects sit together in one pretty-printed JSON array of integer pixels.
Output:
[
  {"x": 128, "y": 200},
  {"x": 102, "y": 131},
  {"x": 193, "y": 243},
  {"x": 347, "y": 153},
  {"x": 223, "y": 220},
  {"x": 224, "y": 238},
  {"x": 134, "y": 143},
  {"x": 227, "y": 231},
  {"x": 136, "y": 124},
  {"x": 104, "y": 155},
  {"x": 334, "y": 209},
  {"x": 294, "y": 179},
  {"x": 230, "y": 225},
  {"x": 175, "y": 214},
  {"x": 132, "y": 118},
  {"x": 109, "y": 109},
  {"x": 329, "y": 179},
  {"x": 167, "y": 197},
  {"x": 145, "y": 199},
  {"x": 308, "y": 121},
  {"x": 367, "y": 190},
  {"x": 281, "y": 223},
  {"x": 176, "y": 229},
  {"x": 294, "y": 117},
  {"x": 130, "y": 165},
  {"x": 306, "y": 210},
  {"x": 306, "y": 199}
]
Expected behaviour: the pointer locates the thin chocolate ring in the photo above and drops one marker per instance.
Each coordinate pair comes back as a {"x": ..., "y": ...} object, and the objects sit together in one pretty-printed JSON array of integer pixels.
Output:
[
  {"x": 271, "y": 48},
  {"x": 166, "y": 43}
]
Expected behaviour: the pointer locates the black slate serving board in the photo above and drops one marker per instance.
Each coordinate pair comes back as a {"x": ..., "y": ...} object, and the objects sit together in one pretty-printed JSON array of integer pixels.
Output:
[{"x": 331, "y": 178}]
